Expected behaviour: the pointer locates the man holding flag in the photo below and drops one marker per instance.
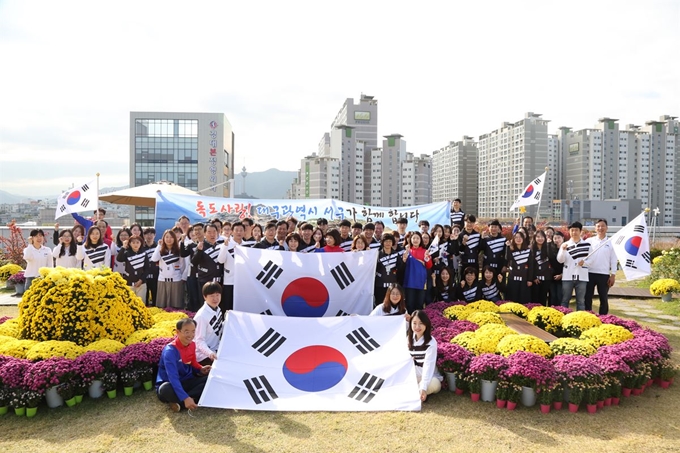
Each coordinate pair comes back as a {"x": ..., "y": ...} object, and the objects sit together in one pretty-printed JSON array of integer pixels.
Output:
[{"x": 602, "y": 270}]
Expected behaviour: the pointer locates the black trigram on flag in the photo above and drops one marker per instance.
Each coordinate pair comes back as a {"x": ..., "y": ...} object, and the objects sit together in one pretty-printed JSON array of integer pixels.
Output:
[
  {"x": 267, "y": 312},
  {"x": 538, "y": 195},
  {"x": 631, "y": 264},
  {"x": 342, "y": 313},
  {"x": 269, "y": 274},
  {"x": 537, "y": 181},
  {"x": 85, "y": 188},
  {"x": 362, "y": 340},
  {"x": 260, "y": 389},
  {"x": 85, "y": 202},
  {"x": 367, "y": 388},
  {"x": 269, "y": 342},
  {"x": 639, "y": 229},
  {"x": 647, "y": 257},
  {"x": 343, "y": 277},
  {"x": 62, "y": 208}
]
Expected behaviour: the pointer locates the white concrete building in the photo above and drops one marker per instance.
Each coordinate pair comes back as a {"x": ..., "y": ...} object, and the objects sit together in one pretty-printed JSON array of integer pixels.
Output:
[{"x": 455, "y": 173}]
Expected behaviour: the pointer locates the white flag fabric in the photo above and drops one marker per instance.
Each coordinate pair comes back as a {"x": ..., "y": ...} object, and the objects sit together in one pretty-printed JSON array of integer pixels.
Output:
[
  {"x": 275, "y": 363},
  {"x": 434, "y": 246},
  {"x": 631, "y": 245},
  {"x": 81, "y": 198},
  {"x": 532, "y": 193},
  {"x": 282, "y": 283}
]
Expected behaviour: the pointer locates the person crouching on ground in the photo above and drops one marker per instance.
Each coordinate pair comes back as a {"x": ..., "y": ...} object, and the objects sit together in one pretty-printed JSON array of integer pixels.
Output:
[
  {"x": 181, "y": 378},
  {"x": 423, "y": 349},
  {"x": 209, "y": 321}
]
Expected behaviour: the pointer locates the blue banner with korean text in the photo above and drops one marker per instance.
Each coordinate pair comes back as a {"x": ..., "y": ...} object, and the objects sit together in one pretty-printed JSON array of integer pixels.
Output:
[{"x": 170, "y": 207}]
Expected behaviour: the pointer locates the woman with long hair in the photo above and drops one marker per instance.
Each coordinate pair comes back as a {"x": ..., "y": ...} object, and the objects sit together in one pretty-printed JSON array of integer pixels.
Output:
[
  {"x": 318, "y": 237},
  {"x": 136, "y": 261},
  {"x": 394, "y": 303},
  {"x": 491, "y": 285},
  {"x": 94, "y": 252},
  {"x": 542, "y": 276},
  {"x": 170, "y": 290},
  {"x": 520, "y": 269},
  {"x": 418, "y": 262},
  {"x": 65, "y": 252},
  {"x": 122, "y": 236},
  {"x": 388, "y": 267},
  {"x": 469, "y": 285},
  {"x": 423, "y": 349},
  {"x": 445, "y": 286},
  {"x": 257, "y": 232},
  {"x": 332, "y": 242}
]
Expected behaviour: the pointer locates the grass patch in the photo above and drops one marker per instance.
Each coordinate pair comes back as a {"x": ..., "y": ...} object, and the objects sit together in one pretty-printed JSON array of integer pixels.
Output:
[
  {"x": 669, "y": 308},
  {"x": 643, "y": 283}
]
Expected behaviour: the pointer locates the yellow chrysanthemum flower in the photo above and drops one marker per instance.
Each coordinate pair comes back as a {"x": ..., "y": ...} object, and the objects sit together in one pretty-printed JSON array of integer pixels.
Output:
[{"x": 529, "y": 343}]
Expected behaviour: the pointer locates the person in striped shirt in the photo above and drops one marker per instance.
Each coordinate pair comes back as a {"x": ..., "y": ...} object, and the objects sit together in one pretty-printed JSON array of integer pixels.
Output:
[
  {"x": 170, "y": 291},
  {"x": 574, "y": 254},
  {"x": 345, "y": 237},
  {"x": 457, "y": 215},
  {"x": 94, "y": 252},
  {"x": 520, "y": 269},
  {"x": 423, "y": 349},
  {"x": 136, "y": 261}
]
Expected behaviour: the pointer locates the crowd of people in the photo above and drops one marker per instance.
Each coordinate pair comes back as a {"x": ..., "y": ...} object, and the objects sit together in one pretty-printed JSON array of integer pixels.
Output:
[{"x": 414, "y": 268}]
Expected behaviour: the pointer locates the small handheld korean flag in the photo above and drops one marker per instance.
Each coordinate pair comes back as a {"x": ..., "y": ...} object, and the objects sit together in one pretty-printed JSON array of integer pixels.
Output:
[
  {"x": 631, "y": 245},
  {"x": 83, "y": 197},
  {"x": 275, "y": 363},
  {"x": 532, "y": 193}
]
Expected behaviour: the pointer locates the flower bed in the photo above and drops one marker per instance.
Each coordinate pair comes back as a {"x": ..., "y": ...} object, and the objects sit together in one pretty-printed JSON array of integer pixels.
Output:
[
  {"x": 596, "y": 360},
  {"x": 76, "y": 327}
]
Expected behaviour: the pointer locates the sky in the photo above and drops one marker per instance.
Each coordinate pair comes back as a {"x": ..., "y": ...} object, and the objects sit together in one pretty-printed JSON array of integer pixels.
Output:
[{"x": 71, "y": 73}]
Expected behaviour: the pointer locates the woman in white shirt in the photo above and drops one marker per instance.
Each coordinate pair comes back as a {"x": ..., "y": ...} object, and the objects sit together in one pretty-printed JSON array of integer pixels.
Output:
[
  {"x": 423, "y": 349},
  {"x": 65, "y": 252},
  {"x": 170, "y": 270},
  {"x": 94, "y": 253},
  {"x": 36, "y": 256},
  {"x": 394, "y": 303}
]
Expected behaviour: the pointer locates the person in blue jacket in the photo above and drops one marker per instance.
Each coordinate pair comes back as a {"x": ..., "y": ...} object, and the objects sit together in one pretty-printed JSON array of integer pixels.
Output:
[{"x": 181, "y": 379}]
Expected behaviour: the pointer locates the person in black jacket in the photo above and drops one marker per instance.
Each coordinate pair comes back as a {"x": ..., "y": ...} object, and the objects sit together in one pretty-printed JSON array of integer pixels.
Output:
[
  {"x": 467, "y": 290},
  {"x": 557, "y": 267},
  {"x": 445, "y": 286},
  {"x": 521, "y": 269},
  {"x": 540, "y": 251},
  {"x": 491, "y": 287},
  {"x": 493, "y": 247},
  {"x": 469, "y": 244},
  {"x": 389, "y": 264},
  {"x": 136, "y": 265},
  {"x": 208, "y": 268}
]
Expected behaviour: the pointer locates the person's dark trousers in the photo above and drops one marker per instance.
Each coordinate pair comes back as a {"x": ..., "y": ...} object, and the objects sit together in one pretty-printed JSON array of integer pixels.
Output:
[
  {"x": 414, "y": 299},
  {"x": 193, "y": 387},
  {"x": 194, "y": 292},
  {"x": 601, "y": 281},
  {"x": 227, "y": 301},
  {"x": 152, "y": 287}
]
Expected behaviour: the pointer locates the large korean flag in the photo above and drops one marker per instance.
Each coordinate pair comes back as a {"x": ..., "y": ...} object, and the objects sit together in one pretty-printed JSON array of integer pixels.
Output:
[
  {"x": 275, "y": 363},
  {"x": 281, "y": 283},
  {"x": 631, "y": 245}
]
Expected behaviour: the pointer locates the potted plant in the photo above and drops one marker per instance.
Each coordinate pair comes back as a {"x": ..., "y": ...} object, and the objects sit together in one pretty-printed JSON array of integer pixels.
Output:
[
  {"x": 452, "y": 360},
  {"x": 135, "y": 363},
  {"x": 12, "y": 374},
  {"x": 474, "y": 385},
  {"x": 665, "y": 287},
  {"x": 530, "y": 371},
  {"x": 591, "y": 396},
  {"x": 18, "y": 280},
  {"x": 90, "y": 369},
  {"x": 545, "y": 396},
  {"x": 579, "y": 374},
  {"x": 514, "y": 395},
  {"x": 487, "y": 368},
  {"x": 502, "y": 390},
  {"x": 667, "y": 373}
]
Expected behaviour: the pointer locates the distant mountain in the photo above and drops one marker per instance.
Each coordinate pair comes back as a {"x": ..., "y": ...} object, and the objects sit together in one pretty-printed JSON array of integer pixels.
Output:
[
  {"x": 8, "y": 198},
  {"x": 271, "y": 183}
]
